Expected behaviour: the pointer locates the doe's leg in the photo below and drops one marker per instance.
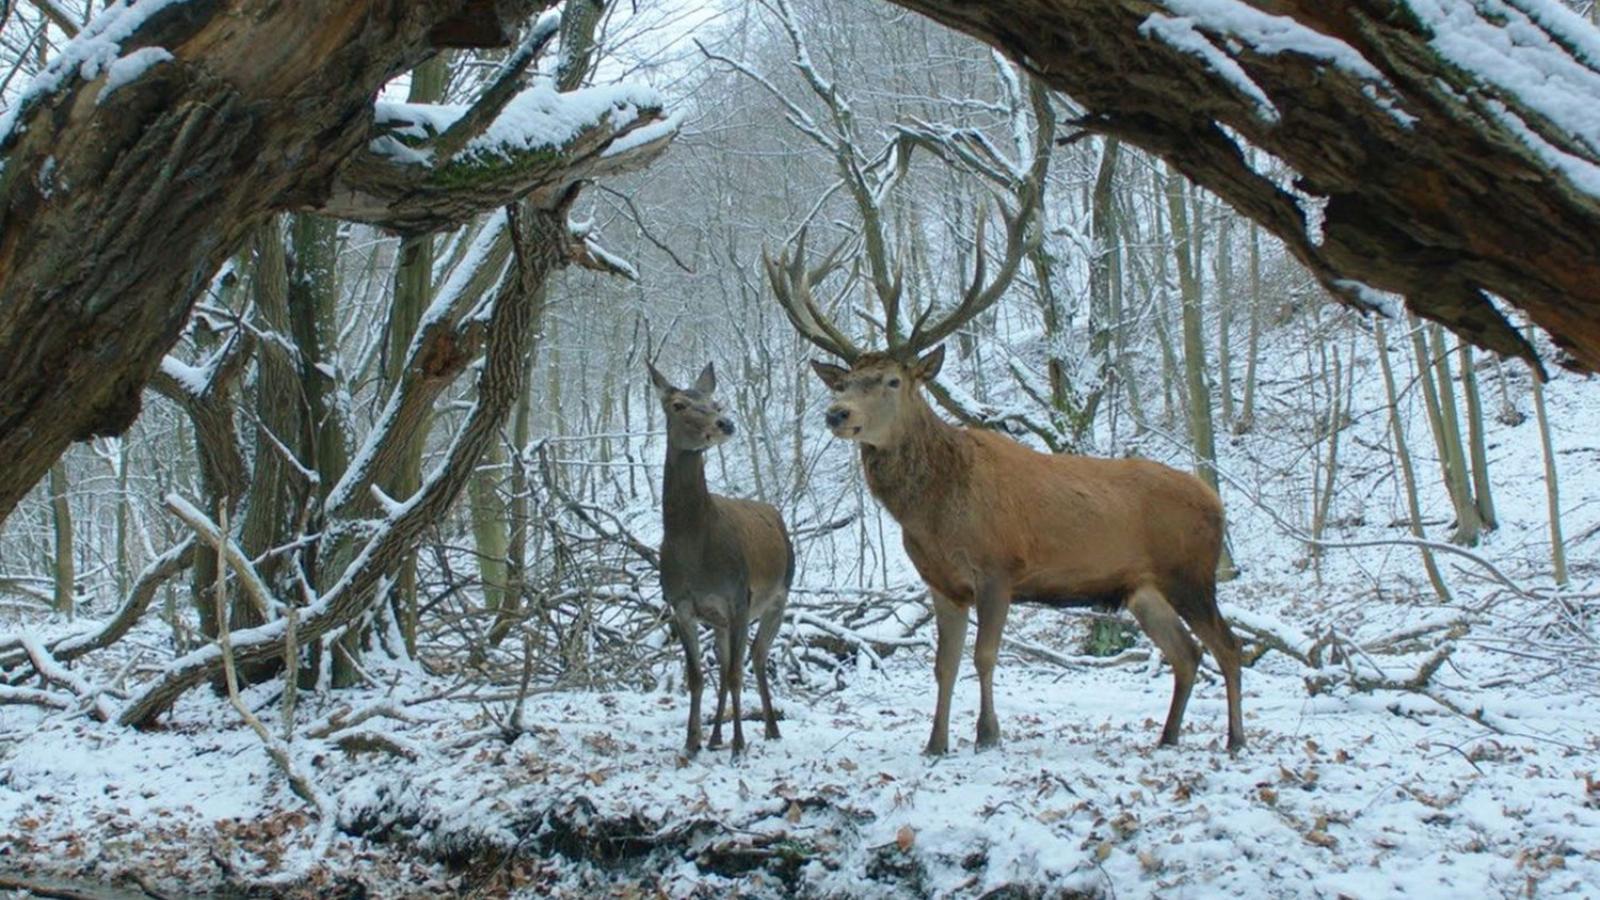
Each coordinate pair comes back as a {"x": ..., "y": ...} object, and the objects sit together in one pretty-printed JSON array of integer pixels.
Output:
[
  {"x": 1158, "y": 620},
  {"x": 765, "y": 632},
  {"x": 722, "y": 685},
  {"x": 733, "y": 670},
  {"x": 693, "y": 673},
  {"x": 951, "y": 621}
]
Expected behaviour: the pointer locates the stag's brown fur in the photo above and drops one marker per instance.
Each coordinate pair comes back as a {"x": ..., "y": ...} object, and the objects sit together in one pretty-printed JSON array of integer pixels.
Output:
[
  {"x": 724, "y": 561},
  {"x": 987, "y": 521}
]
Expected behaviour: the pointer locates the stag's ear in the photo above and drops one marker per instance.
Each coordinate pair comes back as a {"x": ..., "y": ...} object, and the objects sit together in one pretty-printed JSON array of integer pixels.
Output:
[
  {"x": 662, "y": 385},
  {"x": 928, "y": 366},
  {"x": 831, "y": 375},
  {"x": 707, "y": 382}
]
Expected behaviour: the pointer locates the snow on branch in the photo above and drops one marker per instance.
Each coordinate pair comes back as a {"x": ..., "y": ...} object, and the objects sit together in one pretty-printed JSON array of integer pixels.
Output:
[{"x": 431, "y": 165}]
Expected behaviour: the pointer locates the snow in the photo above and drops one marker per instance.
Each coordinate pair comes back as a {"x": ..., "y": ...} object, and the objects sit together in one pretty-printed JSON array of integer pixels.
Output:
[
  {"x": 1526, "y": 49},
  {"x": 1181, "y": 34},
  {"x": 1266, "y": 34},
  {"x": 538, "y": 118},
  {"x": 96, "y": 49},
  {"x": 130, "y": 67}
]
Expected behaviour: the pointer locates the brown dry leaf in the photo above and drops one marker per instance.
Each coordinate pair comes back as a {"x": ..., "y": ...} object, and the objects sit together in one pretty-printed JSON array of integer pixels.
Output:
[
  {"x": 1268, "y": 796},
  {"x": 596, "y": 778},
  {"x": 847, "y": 765},
  {"x": 1181, "y": 792},
  {"x": 1052, "y": 815},
  {"x": 793, "y": 815},
  {"x": 1321, "y": 839},
  {"x": 1148, "y": 861},
  {"x": 1102, "y": 851},
  {"x": 1341, "y": 756},
  {"x": 905, "y": 837}
]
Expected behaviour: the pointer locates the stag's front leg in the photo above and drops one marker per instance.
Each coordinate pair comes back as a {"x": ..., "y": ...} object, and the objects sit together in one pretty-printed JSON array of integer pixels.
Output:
[
  {"x": 693, "y": 673},
  {"x": 994, "y": 601},
  {"x": 951, "y": 621}
]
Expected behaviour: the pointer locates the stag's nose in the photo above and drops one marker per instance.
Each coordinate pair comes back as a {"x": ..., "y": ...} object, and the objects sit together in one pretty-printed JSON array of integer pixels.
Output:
[
  {"x": 726, "y": 425},
  {"x": 837, "y": 416}
]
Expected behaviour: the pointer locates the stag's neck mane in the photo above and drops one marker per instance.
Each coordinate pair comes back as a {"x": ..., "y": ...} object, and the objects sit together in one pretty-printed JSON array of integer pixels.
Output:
[
  {"x": 685, "y": 499},
  {"x": 926, "y": 458}
]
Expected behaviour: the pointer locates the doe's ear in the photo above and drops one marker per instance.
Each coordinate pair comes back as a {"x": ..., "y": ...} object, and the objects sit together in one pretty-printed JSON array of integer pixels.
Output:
[
  {"x": 928, "y": 366},
  {"x": 662, "y": 385},
  {"x": 831, "y": 375},
  {"x": 707, "y": 382}
]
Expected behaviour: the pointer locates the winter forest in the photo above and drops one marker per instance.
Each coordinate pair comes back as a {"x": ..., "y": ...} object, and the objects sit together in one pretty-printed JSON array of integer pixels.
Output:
[{"x": 364, "y": 368}]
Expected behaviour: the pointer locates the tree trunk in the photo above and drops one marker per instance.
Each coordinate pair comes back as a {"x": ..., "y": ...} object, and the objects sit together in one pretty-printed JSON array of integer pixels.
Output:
[
  {"x": 1558, "y": 548},
  {"x": 1475, "y": 440},
  {"x": 1194, "y": 351},
  {"x": 413, "y": 291},
  {"x": 61, "y": 524},
  {"x": 1382, "y": 97},
  {"x": 1467, "y": 525},
  {"x": 1407, "y": 471},
  {"x": 1247, "y": 405}
]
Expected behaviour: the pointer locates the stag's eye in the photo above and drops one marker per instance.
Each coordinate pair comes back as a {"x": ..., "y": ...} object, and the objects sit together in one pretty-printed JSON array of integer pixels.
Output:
[
  {"x": 680, "y": 406},
  {"x": 894, "y": 382}
]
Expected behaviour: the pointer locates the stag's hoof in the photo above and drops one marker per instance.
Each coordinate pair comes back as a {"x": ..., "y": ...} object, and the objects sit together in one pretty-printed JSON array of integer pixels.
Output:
[
  {"x": 772, "y": 731},
  {"x": 988, "y": 735},
  {"x": 936, "y": 747},
  {"x": 715, "y": 743},
  {"x": 691, "y": 748}
]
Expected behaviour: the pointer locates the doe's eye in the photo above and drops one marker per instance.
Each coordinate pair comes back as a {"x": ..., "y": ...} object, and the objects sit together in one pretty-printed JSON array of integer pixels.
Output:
[
  {"x": 680, "y": 406},
  {"x": 894, "y": 382}
]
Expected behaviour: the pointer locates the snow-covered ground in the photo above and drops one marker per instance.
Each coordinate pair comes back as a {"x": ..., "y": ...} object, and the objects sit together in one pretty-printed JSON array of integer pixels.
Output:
[{"x": 1484, "y": 785}]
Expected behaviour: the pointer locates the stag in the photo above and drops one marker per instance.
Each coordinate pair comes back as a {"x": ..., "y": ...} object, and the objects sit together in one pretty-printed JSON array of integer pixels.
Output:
[
  {"x": 724, "y": 561},
  {"x": 988, "y": 521}
]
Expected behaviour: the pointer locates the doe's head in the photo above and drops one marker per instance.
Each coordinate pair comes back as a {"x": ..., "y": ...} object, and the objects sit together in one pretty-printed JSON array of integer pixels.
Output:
[
  {"x": 872, "y": 397},
  {"x": 695, "y": 420}
]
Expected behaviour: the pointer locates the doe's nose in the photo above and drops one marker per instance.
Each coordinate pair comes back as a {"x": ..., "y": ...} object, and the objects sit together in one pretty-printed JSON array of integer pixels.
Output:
[
  {"x": 837, "y": 416},
  {"x": 726, "y": 425}
]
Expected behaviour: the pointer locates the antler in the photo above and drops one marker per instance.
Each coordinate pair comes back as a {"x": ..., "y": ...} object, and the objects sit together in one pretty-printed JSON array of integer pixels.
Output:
[
  {"x": 979, "y": 296},
  {"x": 792, "y": 283},
  {"x": 1021, "y": 237}
]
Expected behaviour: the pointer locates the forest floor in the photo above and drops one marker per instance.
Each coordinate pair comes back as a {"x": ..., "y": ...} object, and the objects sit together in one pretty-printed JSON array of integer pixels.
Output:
[{"x": 1339, "y": 794}]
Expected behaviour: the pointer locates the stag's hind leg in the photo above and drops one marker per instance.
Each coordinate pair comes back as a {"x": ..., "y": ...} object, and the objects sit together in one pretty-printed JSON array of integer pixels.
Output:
[
  {"x": 1160, "y": 621},
  {"x": 1219, "y": 639},
  {"x": 771, "y": 620}
]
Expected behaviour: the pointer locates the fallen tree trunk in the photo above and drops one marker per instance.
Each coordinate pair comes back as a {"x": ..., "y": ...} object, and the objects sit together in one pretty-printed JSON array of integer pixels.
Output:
[{"x": 1438, "y": 141}]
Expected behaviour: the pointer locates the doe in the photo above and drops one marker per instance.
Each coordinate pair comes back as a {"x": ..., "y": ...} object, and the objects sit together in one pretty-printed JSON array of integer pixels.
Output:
[{"x": 724, "y": 561}]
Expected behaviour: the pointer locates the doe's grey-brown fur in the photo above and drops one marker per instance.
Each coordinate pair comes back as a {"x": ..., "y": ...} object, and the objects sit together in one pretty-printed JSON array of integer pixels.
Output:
[{"x": 724, "y": 561}]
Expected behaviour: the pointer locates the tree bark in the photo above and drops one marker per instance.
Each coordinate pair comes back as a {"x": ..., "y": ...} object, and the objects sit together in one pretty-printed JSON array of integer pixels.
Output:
[{"x": 1437, "y": 179}]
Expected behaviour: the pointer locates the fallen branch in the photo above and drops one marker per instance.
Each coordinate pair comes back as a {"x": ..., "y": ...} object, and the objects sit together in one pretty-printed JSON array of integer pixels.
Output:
[
  {"x": 276, "y": 749},
  {"x": 52, "y": 671}
]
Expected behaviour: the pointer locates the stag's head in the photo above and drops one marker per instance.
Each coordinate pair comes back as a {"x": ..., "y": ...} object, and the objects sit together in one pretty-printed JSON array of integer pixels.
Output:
[
  {"x": 695, "y": 420},
  {"x": 875, "y": 396}
]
